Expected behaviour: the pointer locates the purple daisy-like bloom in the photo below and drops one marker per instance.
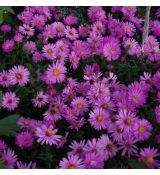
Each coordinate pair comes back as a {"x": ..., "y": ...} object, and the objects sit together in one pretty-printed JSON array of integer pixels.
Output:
[
  {"x": 111, "y": 50},
  {"x": 20, "y": 75},
  {"x": 108, "y": 147},
  {"x": 8, "y": 158},
  {"x": 78, "y": 148},
  {"x": 129, "y": 28},
  {"x": 24, "y": 139},
  {"x": 99, "y": 118},
  {"x": 126, "y": 120},
  {"x": 22, "y": 165},
  {"x": 80, "y": 105},
  {"x": 8, "y": 46},
  {"x": 71, "y": 33},
  {"x": 56, "y": 73},
  {"x": 93, "y": 161},
  {"x": 148, "y": 156},
  {"x": 4, "y": 79},
  {"x": 40, "y": 100},
  {"x": 142, "y": 129},
  {"x": 72, "y": 162},
  {"x": 49, "y": 51},
  {"x": 70, "y": 20},
  {"x": 10, "y": 101},
  {"x": 47, "y": 135}
]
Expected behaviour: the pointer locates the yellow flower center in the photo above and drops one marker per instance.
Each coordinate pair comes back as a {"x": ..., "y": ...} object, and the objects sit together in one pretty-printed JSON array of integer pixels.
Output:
[
  {"x": 49, "y": 133},
  {"x": 135, "y": 98},
  {"x": 141, "y": 129},
  {"x": 72, "y": 166},
  {"x": 26, "y": 122},
  {"x": 56, "y": 72},
  {"x": 128, "y": 121},
  {"x": 149, "y": 160},
  {"x": 151, "y": 42},
  {"x": 59, "y": 29},
  {"x": 112, "y": 52},
  {"x": 49, "y": 51},
  {"x": 80, "y": 106},
  {"x": 105, "y": 106},
  {"x": 18, "y": 76},
  {"x": 99, "y": 118}
]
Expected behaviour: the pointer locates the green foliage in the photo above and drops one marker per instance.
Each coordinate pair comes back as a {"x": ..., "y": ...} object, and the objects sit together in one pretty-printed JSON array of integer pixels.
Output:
[
  {"x": 8, "y": 125},
  {"x": 2, "y": 166},
  {"x": 136, "y": 164}
]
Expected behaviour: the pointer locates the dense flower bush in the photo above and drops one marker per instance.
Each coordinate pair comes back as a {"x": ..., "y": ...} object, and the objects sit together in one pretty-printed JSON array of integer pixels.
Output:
[{"x": 85, "y": 88}]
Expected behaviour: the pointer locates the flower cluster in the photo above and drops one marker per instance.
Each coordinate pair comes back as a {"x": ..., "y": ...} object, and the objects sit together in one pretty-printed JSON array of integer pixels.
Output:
[{"x": 77, "y": 91}]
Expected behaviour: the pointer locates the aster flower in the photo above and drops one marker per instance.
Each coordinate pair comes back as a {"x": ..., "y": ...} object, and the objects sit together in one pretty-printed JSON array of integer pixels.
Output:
[
  {"x": 4, "y": 79},
  {"x": 56, "y": 73},
  {"x": 10, "y": 101},
  {"x": 93, "y": 161},
  {"x": 49, "y": 51},
  {"x": 8, "y": 158},
  {"x": 47, "y": 135},
  {"x": 70, "y": 20},
  {"x": 26, "y": 30},
  {"x": 8, "y": 46},
  {"x": 22, "y": 165},
  {"x": 99, "y": 118},
  {"x": 71, "y": 33},
  {"x": 5, "y": 28},
  {"x": 80, "y": 104},
  {"x": 126, "y": 120},
  {"x": 2, "y": 145},
  {"x": 148, "y": 156},
  {"x": 40, "y": 100},
  {"x": 129, "y": 28},
  {"x": 142, "y": 130},
  {"x": 24, "y": 139},
  {"x": 108, "y": 147},
  {"x": 77, "y": 148},
  {"x": 111, "y": 51},
  {"x": 71, "y": 162},
  {"x": 19, "y": 74},
  {"x": 38, "y": 21},
  {"x": 127, "y": 145}
]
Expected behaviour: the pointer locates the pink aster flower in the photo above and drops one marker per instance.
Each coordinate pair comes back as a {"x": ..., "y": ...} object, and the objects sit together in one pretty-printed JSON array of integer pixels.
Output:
[
  {"x": 80, "y": 105},
  {"x": 129, "y": 28},
  {"x": 49, "y": 51},
  {"x": 77, "y": 148},
  {"x": 108, "y": 147},
  {"x": 2, "y": 145},
  {"x": 111, "y": 50},
  {"x": 70, "y": 20},
  {"x": 38, "y": 21},
  {"x": 148, "y": 156},
  {"x": 47, "y": 135},
  {"x": 126, "y": 120},
  {"x": 24, "y": 139},
  {"x": 142, "y": 130},
  {"x": 99, "y": 118},
  {"x": 8, "y": 46},
  {"x": 10, "y": 101},
  {"x": 71, "y": 33},
  {"x": 18, "y": 38},
  {"x": 72, "y": 162},
  {"x": 26, "y": 30},
  {"x": 56, "y": 73},
  {"x": 40, "y": 100},
  {"x": 58, "y": 28},
  {"x": 127, "y": 145},
  {"x": 8, "y": 158},
  {"x": 20, "y": 75},
  {"x": 93, "y": 161},
  {"x": 5, "y": 28},
  {"x": 22, "y": 165},
  {"x": 4, "y": 79}
]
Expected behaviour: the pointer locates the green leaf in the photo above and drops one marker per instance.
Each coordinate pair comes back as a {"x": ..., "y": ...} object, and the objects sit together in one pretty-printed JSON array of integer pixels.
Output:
[
  {"x": 2, "y": 166},
  {"x": 1, "y": 17},
  {"x": 136, "y": 164},
  {"x": 8, "y": 9},
  {"x": 8, "y": 125}
]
